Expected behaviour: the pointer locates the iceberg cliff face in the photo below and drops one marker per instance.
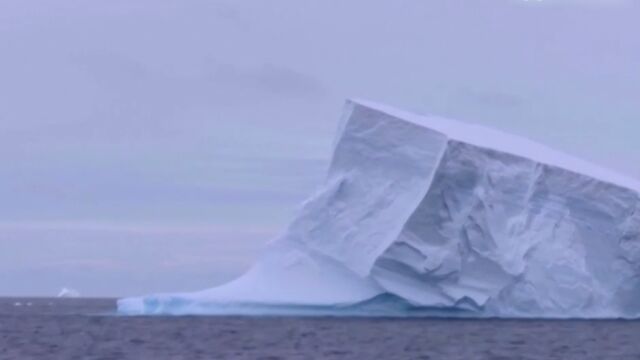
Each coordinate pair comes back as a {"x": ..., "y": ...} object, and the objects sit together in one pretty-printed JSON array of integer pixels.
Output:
[{"x": 426, "y": 216}]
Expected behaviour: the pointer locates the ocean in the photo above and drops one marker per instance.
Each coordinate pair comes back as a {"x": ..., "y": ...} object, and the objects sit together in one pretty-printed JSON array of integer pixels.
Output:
[{"x": 82, "y": 329}]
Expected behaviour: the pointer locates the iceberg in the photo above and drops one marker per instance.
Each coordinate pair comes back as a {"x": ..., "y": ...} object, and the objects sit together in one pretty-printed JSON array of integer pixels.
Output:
[
  {"x": 68, "y": 293},
  {"x": 426, "y": 216}
]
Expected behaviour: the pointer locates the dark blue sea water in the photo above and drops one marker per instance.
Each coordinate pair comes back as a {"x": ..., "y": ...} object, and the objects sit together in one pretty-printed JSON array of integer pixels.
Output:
[{"x": 89, "y": 329}]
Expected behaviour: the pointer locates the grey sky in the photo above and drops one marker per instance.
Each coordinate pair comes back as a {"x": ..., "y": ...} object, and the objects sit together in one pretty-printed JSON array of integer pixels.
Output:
[{"x": 155, "y": 145}]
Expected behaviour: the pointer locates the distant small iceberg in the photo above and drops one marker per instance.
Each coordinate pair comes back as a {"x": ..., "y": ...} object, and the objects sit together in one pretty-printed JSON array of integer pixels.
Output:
[{"x": 68, "y": 293}]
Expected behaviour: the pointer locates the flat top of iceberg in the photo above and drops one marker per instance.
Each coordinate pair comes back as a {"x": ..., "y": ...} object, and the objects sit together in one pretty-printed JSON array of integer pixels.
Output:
[{"x": 498, "y": 140}]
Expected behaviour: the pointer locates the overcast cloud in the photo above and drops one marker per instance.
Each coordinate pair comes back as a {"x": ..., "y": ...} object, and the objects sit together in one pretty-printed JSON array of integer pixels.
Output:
[{"x": 155, "y": 145}]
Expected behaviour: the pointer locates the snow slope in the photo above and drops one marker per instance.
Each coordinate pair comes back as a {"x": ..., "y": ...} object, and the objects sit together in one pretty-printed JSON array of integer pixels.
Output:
[{"x": 428, "y": 216}]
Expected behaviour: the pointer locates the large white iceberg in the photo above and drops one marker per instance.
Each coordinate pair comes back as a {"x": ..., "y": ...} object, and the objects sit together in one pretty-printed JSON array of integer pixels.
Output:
[{"x": 428, "y": 216}]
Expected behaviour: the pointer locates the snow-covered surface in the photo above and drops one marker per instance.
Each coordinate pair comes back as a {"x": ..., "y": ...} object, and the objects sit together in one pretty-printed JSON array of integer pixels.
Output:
[{"x": 424, "y": 215}]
